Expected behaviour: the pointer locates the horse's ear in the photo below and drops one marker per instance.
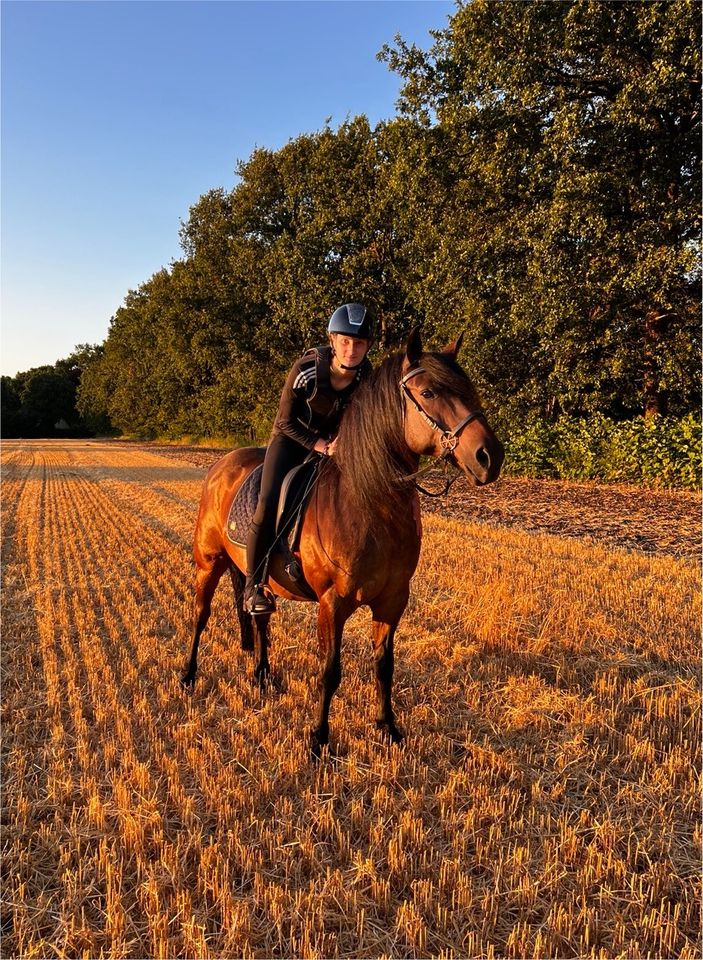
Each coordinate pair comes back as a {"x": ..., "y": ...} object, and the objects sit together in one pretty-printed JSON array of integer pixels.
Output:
[
  {"x": 413, "y": 350},
  {"x": 454, "y": 347}
]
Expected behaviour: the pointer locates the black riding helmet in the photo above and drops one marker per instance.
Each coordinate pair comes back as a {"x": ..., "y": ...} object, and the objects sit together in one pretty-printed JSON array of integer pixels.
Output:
[{"x": 352, "y": 320}]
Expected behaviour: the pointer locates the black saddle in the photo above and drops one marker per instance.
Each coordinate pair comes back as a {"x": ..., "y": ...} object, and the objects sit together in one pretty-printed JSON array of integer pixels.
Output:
[{"x": 295, "y": 491}]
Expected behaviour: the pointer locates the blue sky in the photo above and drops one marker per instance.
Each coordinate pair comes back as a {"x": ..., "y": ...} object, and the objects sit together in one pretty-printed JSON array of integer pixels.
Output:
[{"x": 117, "y": 116}]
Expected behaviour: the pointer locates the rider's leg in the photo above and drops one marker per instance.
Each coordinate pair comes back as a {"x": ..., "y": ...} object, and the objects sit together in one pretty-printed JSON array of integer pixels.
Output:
[{"x": 282, "y": 454}]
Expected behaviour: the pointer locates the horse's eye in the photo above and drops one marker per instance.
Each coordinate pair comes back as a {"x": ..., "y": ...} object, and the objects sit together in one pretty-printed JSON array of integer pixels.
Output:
[{"x": 428, "y": 394}]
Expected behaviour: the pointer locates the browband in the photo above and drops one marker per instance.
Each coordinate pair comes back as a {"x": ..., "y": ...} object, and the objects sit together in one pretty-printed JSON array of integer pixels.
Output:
[{"x": 411, "y": 374}]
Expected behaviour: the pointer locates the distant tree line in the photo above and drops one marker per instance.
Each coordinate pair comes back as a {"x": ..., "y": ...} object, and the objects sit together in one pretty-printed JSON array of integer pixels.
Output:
[
  {"x": 41, "y": 402},
  {"x": 539, "y": 187}
]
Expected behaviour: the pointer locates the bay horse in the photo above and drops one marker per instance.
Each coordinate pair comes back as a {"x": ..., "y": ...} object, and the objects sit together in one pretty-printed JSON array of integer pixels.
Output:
[{"x": 361, "y": 533}]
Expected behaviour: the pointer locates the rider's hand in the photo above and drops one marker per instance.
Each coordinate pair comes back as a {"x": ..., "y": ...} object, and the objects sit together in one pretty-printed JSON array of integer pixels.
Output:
[
  {"x": 321, "y": 446},
  {"x": 331, "y": 447}
]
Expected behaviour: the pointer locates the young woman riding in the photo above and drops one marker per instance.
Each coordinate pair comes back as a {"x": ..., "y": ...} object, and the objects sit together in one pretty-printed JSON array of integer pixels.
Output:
[{"x": 317, "y": 390}]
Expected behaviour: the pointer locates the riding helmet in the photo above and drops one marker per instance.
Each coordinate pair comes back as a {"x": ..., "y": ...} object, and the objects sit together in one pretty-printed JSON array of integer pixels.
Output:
[{"x": 352, "y": 320}]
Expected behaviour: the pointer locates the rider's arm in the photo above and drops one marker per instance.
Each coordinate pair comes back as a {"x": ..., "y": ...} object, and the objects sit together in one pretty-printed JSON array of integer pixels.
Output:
[{"x": 292, "y": 406}]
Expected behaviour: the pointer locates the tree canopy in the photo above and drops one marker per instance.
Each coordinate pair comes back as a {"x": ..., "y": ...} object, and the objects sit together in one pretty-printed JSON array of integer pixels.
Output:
[{"x": 570, "y": 141}]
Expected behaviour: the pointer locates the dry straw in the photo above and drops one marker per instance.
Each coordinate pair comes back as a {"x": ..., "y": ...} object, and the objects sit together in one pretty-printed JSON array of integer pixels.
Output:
[{"x": 545, "y": 803}]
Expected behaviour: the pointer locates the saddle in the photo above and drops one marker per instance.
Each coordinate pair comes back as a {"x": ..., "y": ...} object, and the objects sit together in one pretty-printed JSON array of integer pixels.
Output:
[{"x": 295, "y": 492}]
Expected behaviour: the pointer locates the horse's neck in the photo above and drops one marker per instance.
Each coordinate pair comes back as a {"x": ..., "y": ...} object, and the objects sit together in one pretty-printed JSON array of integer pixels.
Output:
[{"x": 381, "y": 514}]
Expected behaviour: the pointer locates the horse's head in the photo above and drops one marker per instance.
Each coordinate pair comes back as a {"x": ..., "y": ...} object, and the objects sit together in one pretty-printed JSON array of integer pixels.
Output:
[{"x": 442, "y": 412}]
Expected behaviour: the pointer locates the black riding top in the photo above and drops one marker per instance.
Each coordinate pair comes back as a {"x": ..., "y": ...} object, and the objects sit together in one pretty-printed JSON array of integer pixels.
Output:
[{"x": 309, "y": 407}]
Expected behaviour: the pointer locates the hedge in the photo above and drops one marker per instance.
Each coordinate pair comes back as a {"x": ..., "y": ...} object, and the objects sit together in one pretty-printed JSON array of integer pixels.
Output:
[{"x": 657, "y": 451}]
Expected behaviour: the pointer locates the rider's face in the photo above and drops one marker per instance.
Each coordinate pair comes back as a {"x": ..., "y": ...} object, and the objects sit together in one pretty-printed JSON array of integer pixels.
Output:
[{"x": 350, "y": 351}]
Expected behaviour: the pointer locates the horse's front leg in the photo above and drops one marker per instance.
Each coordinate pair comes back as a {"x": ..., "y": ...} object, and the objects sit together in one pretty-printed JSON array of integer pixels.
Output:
[
  {"x": 385, "y": 622},
  {"x": 332, "y": 616}
]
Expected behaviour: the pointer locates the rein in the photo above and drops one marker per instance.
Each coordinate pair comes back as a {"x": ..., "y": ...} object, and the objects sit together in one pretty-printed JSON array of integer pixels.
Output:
[{"x": 448, "y": 439}]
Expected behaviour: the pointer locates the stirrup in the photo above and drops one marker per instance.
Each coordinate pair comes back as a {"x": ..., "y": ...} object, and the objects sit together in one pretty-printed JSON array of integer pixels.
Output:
[{"x": 260, "y": 600}]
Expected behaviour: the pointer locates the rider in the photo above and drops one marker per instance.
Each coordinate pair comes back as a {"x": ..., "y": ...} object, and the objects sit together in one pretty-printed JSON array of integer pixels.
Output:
[{"x": 318, "y": 388}]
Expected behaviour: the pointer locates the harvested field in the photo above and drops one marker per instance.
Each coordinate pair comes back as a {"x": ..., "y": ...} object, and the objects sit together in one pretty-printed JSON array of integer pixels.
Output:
[{"x": 544, "y": 804}]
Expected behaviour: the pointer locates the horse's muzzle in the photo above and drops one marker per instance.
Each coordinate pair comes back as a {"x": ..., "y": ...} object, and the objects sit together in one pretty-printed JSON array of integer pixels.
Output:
[{"x": 483, "y": 464}]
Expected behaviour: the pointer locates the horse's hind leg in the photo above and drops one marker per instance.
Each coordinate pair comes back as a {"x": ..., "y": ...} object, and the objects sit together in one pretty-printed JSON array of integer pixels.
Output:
[
  {"x": 245, "y": 624},
  {"x": 206, "y": 580}
]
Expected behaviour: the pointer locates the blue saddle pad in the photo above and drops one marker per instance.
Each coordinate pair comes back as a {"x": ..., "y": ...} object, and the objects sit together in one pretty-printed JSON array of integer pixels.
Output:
[{"x": 243, "y": 507}]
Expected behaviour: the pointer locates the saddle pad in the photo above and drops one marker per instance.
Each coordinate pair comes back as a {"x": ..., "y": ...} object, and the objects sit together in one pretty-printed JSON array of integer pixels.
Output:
[{"x": 243, "y": 508}]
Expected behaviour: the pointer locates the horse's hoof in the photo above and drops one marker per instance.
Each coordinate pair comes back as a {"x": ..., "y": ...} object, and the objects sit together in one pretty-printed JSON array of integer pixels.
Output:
[
  {"x": 317, "y": 743},
  {"x": 390, "y": 731},
  {"x": 187, "y": 683}
]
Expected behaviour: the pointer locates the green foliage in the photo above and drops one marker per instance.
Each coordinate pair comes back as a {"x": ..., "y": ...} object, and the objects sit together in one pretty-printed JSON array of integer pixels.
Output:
[
  {"x": 657, "y": 451},
  {"x": 41, "y": 402},
  {"x": 12, "y": 420},
  {"x": 565, "y": 218}
]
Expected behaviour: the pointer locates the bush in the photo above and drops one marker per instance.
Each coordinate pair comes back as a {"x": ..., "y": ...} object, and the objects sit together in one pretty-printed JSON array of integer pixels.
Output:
[{"x": 658, "y": 452}]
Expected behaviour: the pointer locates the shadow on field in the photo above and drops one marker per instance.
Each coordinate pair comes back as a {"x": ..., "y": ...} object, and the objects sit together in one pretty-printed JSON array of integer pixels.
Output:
[{"x": 145, "y": 475}]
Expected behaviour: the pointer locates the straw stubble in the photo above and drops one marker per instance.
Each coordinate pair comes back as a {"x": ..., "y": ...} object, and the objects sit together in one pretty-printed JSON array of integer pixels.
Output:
[{"x": 545, "y": 802}]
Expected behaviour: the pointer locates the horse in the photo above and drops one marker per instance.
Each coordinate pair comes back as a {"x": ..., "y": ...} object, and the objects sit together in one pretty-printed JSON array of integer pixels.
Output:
[{"x": 360, "y": 537}]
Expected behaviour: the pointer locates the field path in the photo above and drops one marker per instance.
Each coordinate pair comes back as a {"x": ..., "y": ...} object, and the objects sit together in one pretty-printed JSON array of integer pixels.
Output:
[{"x": 545, "y": 803}]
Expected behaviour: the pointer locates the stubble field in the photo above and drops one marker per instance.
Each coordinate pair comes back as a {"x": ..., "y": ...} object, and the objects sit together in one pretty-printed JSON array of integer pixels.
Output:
[{"x": 545, "y": 802}]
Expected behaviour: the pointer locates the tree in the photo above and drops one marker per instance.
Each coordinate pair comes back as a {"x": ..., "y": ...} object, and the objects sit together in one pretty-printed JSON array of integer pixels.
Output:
[
  {"x": 91, "y": 401},
  {"x": 37, "y": 400},
  {"x": 43, "y": 401},
  {"x": 540, "y": 186},
  {"x": 13, "y": 421},
  {"x": 309, "y": 226},
  {"x": 48, "y": 397},
  {"x": 568, "y": 204}
]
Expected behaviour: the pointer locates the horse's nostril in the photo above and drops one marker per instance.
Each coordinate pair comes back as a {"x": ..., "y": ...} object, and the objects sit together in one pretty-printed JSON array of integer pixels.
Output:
[{"x": 483, "y": 457}]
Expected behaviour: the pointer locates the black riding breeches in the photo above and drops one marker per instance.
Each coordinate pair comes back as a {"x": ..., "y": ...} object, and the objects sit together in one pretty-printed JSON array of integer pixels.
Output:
[{"x": 282, "y": 454}]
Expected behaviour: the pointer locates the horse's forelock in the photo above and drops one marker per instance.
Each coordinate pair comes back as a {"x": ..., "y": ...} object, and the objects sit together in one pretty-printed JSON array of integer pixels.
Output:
[{"x": 446, "y": 375}]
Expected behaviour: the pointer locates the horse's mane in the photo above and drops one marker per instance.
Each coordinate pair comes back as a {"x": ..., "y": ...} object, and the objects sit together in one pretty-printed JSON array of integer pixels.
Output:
[{"x": 371, "y": 452}]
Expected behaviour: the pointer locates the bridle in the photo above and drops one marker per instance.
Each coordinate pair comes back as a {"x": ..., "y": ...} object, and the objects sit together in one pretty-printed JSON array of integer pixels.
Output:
[{"x": 448, "y": 438}]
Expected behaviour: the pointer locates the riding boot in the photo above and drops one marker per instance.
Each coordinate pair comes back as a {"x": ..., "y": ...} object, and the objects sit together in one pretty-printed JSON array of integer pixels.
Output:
[{"x": 258, "y": 597}]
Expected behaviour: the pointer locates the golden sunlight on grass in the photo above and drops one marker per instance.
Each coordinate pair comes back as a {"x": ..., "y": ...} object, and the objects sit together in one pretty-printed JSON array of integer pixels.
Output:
[{"x": 545, "y": 802}]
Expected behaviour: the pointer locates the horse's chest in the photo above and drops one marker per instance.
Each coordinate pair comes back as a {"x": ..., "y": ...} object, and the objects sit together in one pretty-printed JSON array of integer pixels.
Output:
[
  {"x": 390, "y": 554},
  {"x": 365, "y": 559}
]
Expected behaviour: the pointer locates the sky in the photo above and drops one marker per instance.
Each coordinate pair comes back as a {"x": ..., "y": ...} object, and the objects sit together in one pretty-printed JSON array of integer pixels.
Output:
[{"x": 117, "y": 115}]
